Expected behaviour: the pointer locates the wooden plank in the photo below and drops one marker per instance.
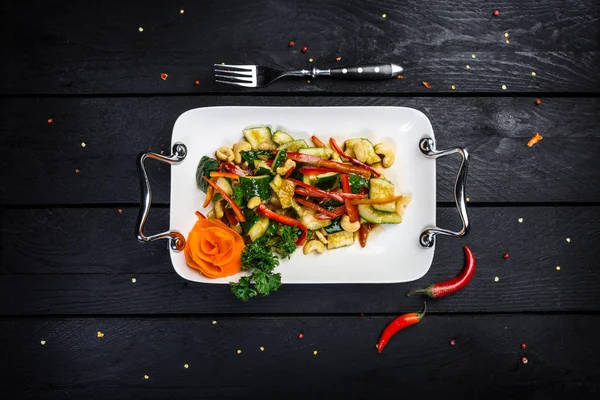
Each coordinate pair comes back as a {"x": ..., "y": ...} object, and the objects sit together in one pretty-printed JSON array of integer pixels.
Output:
[
  {"x": 485, "y": 362},
  {"x": 114, "y": 130},
  {"x": 58, "y": 47},
  {"x": 82, "y": 261}
]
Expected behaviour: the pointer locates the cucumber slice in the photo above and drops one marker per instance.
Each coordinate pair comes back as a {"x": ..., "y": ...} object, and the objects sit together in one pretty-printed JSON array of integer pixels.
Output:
[
  {"x": 258, "y": 135},
  {"x": 312, "y": 223},
  {"x": 378, "y": 217},
  {"x": 327, "y": 181},
  {"x": 334, "y": 226},
  {"x": 255, "y": 186},
  {"x": 272, "y": 229},
  {"x": 281, "y": 137},
  {"x": 251, "y": 219},
  {"x": 294, "y": 145},
  {"x": 322, "y": 152},
  {"x": 339, "y": 239},
  {"x": 382, "y": 189},
  {"x": 357, "y": 183},
  {"x": 309, "y": 179},
  {"x": 258, "y": 229},
  {"x": 372, "y": 157},
  {"x": 279, "y": 159},
  {"x": 262, "y": 168},
  {"x": 224, "y": 184}
]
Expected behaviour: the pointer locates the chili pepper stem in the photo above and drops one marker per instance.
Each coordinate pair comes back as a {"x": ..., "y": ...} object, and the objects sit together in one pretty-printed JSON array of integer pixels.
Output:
[
  {"x": 428, "y": 291},
  {"x": 422, "y": 313}
]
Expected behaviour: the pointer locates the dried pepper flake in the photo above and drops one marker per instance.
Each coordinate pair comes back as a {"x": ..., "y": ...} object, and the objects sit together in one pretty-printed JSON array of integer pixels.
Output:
[
  {"x": 338, "y": 59},
  {"x": 496, "y": 13},
  {"x": 197, "y": 83},
  {"x": 100, "y": 334},
  {"x": 291, "y": 43},
  {"x": 50, "y": 120},
  {"x": 524, "y": 360},
  {"x": 304, "y": 49},
  {"x": 164, "y": 76},
  {"x": 452, "y": 342},
  {"x": 120, "y": 211},
  {"x": 77, "y": 170},
  {"x": 506, "y": 256},
  {"x": 426, "y": 84},
  {"x": 534, "y": 139},
  {"x": 300, "y": 335},
  {"x": 523, "y": 345},
  {"x": 538, "y": 102},
  {"x": 400, "y": 77}
]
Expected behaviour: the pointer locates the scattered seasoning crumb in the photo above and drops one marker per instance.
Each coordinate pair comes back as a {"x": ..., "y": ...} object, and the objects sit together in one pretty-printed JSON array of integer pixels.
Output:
[
  {"x": 146, "y": 377},
  {"x": 377, "y": 346},
  {"x": 505, "y": 34},
  {"x": 453, "y": 87},
  {"x": 523, "y": 345},
  {"x": 300, "y": 335},
  {"x": 496, "y": 13},
  {"x": 524, "y": 360},
  {"x": 262, "y": 348},
  {"x": 507, "y": 41},
  {"x": 214, "y": 322},
  {"x": 468, "y": 67},
  {"x": 338, "y": 59},
  {"x": 181, "y": 11},
  {"x": 197, "y": 83},
  {"x": 162, "y": 152},
  {"x": 400, "y": 77},
  {"x": 239, "y": 352},
  {"x": 568, "y": 240},
  {"x": 120, "y": 210},
  {"x": 473, "y": 56},
  {"x": 310, "y": 60},
  {"x": 83, "y": 144},
  {"x": 315, "y": 352},
  {"x": 164, "y": 76},
  {"x": 520, "y": 220},
  {"x": 308, "y": 81},
  {"x": 496, "y": 279},
  {"x": 291, "y": 43},
  {"x": 186, "y": 366},
  {"x": 133, "y": 280},
  {"x": 383, "y": 15},
  {"x": 533, "y": 73},
  {"x": 503, "y": 87},
  {"x": 468, "y": 199},
  {"x": 141, "y": 29},
  {"x": 100, "y": 334},
  {"x": 42, "y": 342},
  {"x": 362, "y": 314},
  {"x": 426, "y": 84},
  {"x": 77, "y": 170},
  {"x": 534, "y": 139},
  {"x": 50, "y": 120},
  {"x": 558, "y": 267},
  {"x": 304, "y": 49},
  {"x": 506, "y": 256},
  {"x": 538, "y": 102},
  {"x": 222, "y": 62},
  {"x": 452, "y": 342}
]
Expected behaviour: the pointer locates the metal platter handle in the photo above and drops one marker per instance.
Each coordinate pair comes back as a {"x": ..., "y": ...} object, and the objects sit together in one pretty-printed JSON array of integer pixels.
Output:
[
  {"x": 176, "y": 239},
  {"x": 427, "y": 147}
]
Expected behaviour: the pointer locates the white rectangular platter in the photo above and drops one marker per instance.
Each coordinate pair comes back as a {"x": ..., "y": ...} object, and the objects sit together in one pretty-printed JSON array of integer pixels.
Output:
[{"x": 393, "y": 252}]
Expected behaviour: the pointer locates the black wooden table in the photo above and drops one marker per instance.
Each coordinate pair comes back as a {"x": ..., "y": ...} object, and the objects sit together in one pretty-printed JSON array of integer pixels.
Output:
[{"x": 82, "y": 95}]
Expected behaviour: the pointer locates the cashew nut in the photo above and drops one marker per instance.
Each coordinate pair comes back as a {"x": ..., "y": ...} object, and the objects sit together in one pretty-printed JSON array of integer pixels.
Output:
[
  {"x": 360, "y": 152},
  {"x": 219, "y": 211},
  {"x": 313, "y": 245},
  {"x": 349, "y": 226},
  {"x": 238, "y": 148},
  {"x": 254, "y": 202},
  {"x": 265, "y": 146},
  {"x": 286, "y": 167},
  {"x": 211, "y": 214},
  {"x": 387, "y": 153},
  {"x": 321, "y": 237},
  {"x": 225, "y": 154},
  {"x": 401, "y": 204}
]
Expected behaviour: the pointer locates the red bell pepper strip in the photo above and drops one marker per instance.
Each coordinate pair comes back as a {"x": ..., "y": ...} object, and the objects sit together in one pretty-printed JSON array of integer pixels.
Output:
[
  {"x": 236, "y": 209},
  {"x": 316, "y": 170},
  {"x": 315, "y": 207},
  {"x": 315, "y": 190},
  {"x": 363, "y": 234},
  {"x": 399, "y": 323},
  {"x": 351, "y": 159},
  {"x": 351, "y": 208},
  {"x": 231, "y": 167},
  {"x": 210, "y": 192},
  {"x": 285, "y": 220},
  {"x": 269, "y": 162},
  {"x": 338, "y": 212},
  {"x": 230, "y": 214},
  {"x": 317, "y": 141},
  {"x": 337, "y": 166},
  {"x": 453, "y": 285},
  {"x": 287, "y": 174},
  {"x": 229, "y": 175}
]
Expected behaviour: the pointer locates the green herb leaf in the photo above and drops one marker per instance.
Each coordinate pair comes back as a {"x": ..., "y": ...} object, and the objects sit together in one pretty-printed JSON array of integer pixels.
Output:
[
  {"x": 243, "y": 289},
  {"x": 260, "y": 256},
  {"x": 266, "y": 283},
  {"x": 286, "y": 243},
  {"x": 205, "y": 167}
]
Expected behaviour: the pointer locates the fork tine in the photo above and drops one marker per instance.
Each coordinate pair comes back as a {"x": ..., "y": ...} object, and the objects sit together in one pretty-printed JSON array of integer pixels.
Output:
[
  {"x": 235, "y": 83},
  {"x": 247, "y": 67},
  {"x": 235, "y": 78},
  {"x": 234, "y": 73}
]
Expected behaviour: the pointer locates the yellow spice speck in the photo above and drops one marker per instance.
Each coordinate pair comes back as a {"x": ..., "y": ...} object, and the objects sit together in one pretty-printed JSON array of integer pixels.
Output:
[
  {"x": 42, "y": 342},
  {"x": 568, "y": 240},
  {"x": 473, "y": 56},
  {"x": 146, "y": 377},
  {"x": 507, "y": 41},
  {"x": 533, "y": 73},
  {"x": 308, "y": 81},
  {"x": 141, "y": 29},
  {"x": 181, "y": 11},
  {"x": 468, "y": 67},
  {"x": 558, "y": 267},
  {"x": 214, "y": 322},
  {"x": 383, "y": 15},
  {"x": 503, "y": 87},
  {"x": 262, "y": 348},
  {"x": 100, "y": 334},
  {"x": 315, "y": 352},
  {"x": 133, "y": 280},
  {"x": 520, "y": 220},
  {"x": 83, "y": 144},
  {"x": 506, "y": 34},
  {"x": 186, "y": 366},
  {"x": 239, "y": 352},
  {"x": 310, "y": 60},
  {"x": 496, "y": 279},
  {"x": 453, "y": 87},
  {"x": 468, "y": 199}
]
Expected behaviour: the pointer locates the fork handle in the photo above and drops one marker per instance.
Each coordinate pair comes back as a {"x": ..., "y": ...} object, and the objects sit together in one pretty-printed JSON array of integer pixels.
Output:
[{"x": 379, "y": 71}]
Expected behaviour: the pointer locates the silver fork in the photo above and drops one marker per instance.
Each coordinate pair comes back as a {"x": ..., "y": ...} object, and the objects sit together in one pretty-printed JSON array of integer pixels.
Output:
[{"x": 260, "y": 76}]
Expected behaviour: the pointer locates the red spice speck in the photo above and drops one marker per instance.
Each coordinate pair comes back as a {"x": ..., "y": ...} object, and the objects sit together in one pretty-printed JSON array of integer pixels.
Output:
[
  {"x": 496, "y": 13},
  {"x": 291, "y": 43},
  {"x": 50, "y": 120},
  {"x": 362, "y": 314},
  {"x": 426, "y": 84},
  {"x": 300, "y": 335},
  {"x": 524, "y": 360},
  {"x": 523, "y": 345},
  {"x": 538, "y": 102},
  {"x": 120, "y": 210},
  {"x": 77, "y": 170},
  {"x": 197, "y": 83},
  {"x": 452, "y": 342},
  {"x": 304, "y": 49},
  {"x": 506, "y": 256},
  {"x": 164, "y": 76}
]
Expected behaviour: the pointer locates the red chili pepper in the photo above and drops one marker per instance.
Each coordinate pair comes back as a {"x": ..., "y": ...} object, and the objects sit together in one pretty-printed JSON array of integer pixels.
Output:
[
  {"x": 269, "y": 162},
  {"x": 316, "y": 191},
  {"x": 231, "y": 167},
  {"x": 210, "y": 192},
  {"x": 317, "y": 141},
  {"x": 352, "y": 160},
  {"x": 337, "y": 166},
  {"x": 265, "y": 212},
  {"x": 230, "y": 214},
  {"x": 315, "y": 170},
  {"x": 200, "y": 215},
  {"x": 315, "y": 207},
  {"x": 352, "y": 209},
  {"x": 453, "y": 285},
  {"x": 338, "y": 212},
  {"x": 363, "y": 233},
  {"x": 229, "y": 175},
  {"x": 399, "y": 323},
  {"x": 236, "y": 209},
  {"x": 496, "y": 13}
]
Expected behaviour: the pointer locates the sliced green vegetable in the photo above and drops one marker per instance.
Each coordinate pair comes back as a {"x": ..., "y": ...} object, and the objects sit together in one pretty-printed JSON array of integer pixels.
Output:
[
  {"x": 382, "y": 189},
  {"x": 334, "y": 226},
  {"x": 238, "y": 197},
  {"x": 258, "y": 135},
  {"x": 281, "y": 137},
  {"x": 252, "y": 219},
  {"x": 262, "y": 168},
  {"x": 252, "y": 155},
  {"x": 339, "y": 239},
  {"x": 378, "y": 217},
  {"x": 272, "y": 229},
  {"x": 294, "y": 145},
  {"x": 205, "y": 167},
  {"x": 322, "y": 152},
  {"x": 255, "y": 186},
  {"x": 327, "y": 181},
  {"x": 224, "y": 184},
  {"x": 279, "y": 159},
  {"x": 258, "y": 229},
  {"x": 357, "y": 183}
]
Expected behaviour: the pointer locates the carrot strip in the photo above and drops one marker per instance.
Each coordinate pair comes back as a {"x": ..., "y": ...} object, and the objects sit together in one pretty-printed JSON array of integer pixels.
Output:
[
  {"x": 315, "y": 207},
  {"x": 229, "y": 175},
  {"x": 377, "y": 201},
  {"x": 210, "y": 192},
  {"x": 238, "y": 212}
]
